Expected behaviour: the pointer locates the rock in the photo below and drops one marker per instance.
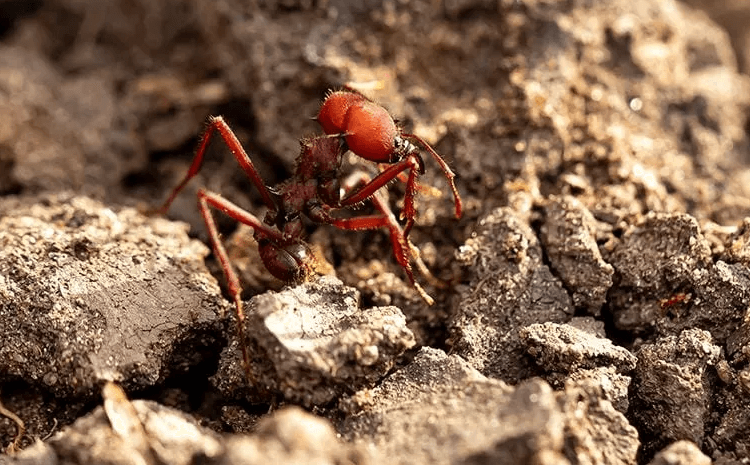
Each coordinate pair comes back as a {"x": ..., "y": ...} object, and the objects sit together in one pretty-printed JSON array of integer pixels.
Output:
[
  {"x": 563, "y": 348},
  {"x": 717, "y": 303},
  {"x": 567, "y": 235},
  {"x": 665, "y": 279},
  {"x": 510, "y": 287},
  {"x": 730, "y": 438},
  {"x": 604, "y": 382},
  {"x": 671, "y": 390},
  {"x": 292, "y": 436},
  {"x": 655, "y": 260},
  {"x": 89, "y": 294},
  {"x": 439, "y": 410},
  {"x": 311, "y": 343},
  {"x": 681, "y": 453},
  {"x": 595, "y": 431}
]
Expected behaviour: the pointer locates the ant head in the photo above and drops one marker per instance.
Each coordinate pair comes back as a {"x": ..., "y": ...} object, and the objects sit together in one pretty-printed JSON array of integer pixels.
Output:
[{"x": 332, "y": 114}]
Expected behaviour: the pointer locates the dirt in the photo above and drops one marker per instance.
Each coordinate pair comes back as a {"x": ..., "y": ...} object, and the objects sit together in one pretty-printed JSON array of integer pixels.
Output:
[{"x": 591, "y": 304}]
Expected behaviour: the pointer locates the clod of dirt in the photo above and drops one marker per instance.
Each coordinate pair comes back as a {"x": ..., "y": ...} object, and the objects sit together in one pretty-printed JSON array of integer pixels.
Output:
[
  {"x": 604, "y": 382},
  {"x": 440, "y": 410},
  {"x": 731, "y": 438},
  {"x": 717, "y": 304},
  {"x": 567, "y": 234},
  {"x": 89, "y": 294},
  {"x": 672, "y": 391},
  {"x": 665, "y": 279},
  {"x": 144, "y": 432},
  {"x": 681, "y": 453},
  {"x": 311, "y": 343},
  {"x": 292, "y": 436},
  {"x": 510, "y": 287},
  {"x": 738, "y": 343},
  {"x": 563, "y": 348},
  {"x": 738, "y": 245},
  {"x": 595, "y": 430},
  {"x": 655, "y": 260}
]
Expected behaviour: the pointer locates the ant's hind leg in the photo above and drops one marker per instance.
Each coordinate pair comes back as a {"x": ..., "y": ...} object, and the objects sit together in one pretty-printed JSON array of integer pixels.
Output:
[
  {"x": 206, "y": 201},
  {"x": 217, "y": 124}
]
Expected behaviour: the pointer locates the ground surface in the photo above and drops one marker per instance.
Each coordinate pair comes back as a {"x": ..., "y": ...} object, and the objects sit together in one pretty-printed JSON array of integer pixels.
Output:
[{"x": 598, "y": 301}]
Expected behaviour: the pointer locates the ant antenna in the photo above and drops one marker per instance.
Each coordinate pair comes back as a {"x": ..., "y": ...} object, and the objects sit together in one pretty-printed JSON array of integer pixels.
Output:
[{"x": 444, "y": 166}]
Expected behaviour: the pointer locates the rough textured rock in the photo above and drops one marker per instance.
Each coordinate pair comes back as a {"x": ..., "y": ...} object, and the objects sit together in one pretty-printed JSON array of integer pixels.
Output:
[
  {"x": 292, "y": 436},
  {"x": 595, "y": 431},
  {"x": 730, "y": 438},
  {"x": 681, "y": 453},
  {"x": 665, "y": 280},
  {"x": 563, "y": 348},
  {"x": 568, "y": 236},
  {"x": 717, "y": 304},
  {"x": 655, "y": 260},
  {"x": 311, "y": 343},
  {"x": 89, "y": 294},
  {"x": 510, "y": 287},
  {"x": 460, "y": 416},
  {"x": 671, "y": 394},
  {"x": 604, "y": 382}
]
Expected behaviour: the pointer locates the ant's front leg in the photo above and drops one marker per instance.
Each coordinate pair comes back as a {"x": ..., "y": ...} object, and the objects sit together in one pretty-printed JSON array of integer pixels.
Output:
[
  {"x": 378, "y": 199},
  {"x": 402, "y": 248},
  {"x": 414, "y": 164},
  {"x": 217, "y": 124}
]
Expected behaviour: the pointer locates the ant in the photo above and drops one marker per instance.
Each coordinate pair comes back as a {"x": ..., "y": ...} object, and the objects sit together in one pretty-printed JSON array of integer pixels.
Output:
[{"x": 351, "y": 122}]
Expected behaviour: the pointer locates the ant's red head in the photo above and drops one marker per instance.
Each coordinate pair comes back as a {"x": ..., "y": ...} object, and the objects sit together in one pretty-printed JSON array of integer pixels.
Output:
[{"x": 333, "y": 112}]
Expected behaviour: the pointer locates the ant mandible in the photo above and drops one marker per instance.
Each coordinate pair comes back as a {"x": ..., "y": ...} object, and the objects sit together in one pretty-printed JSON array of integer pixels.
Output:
[{"x": 315, "y": 190}]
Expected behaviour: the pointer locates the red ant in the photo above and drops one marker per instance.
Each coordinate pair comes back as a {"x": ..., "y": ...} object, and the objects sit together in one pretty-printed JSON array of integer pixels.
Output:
[
  {"x": 351, "y": 122},
  {"x": 678, "y": 298}
]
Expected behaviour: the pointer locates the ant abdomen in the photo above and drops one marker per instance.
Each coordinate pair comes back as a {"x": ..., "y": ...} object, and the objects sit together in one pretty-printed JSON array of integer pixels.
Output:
[{"x": 289, "y": 263}]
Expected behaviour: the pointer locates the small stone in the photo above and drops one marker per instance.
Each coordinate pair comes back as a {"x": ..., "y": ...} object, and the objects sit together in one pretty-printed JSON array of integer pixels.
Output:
[{"x": 311, "y": 343}]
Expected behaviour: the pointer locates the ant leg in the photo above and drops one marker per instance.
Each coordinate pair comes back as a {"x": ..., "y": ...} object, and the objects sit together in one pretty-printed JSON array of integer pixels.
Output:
[
  {"x": 217, "y": 123},
  {"x": 414, "y": 164},
  {"x": 378, "y": 199},
  {"x": 402, "y": 249},
  {"x": 383, "y": 178},
  {"x": 206, "y": 201}
]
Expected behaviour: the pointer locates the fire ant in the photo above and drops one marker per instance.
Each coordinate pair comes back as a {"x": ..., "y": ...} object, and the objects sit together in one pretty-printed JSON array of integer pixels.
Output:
[{"x": 351, "y": 122}]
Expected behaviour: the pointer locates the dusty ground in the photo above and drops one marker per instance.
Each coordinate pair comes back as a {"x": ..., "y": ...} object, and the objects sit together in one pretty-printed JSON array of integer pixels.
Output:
[{"x": 598, "y": 301}]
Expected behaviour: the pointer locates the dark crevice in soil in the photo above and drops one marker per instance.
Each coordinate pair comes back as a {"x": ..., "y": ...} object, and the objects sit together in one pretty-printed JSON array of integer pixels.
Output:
[
  {"x": 14, "y": 10},
  {"x": 8, "y": 184}
]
